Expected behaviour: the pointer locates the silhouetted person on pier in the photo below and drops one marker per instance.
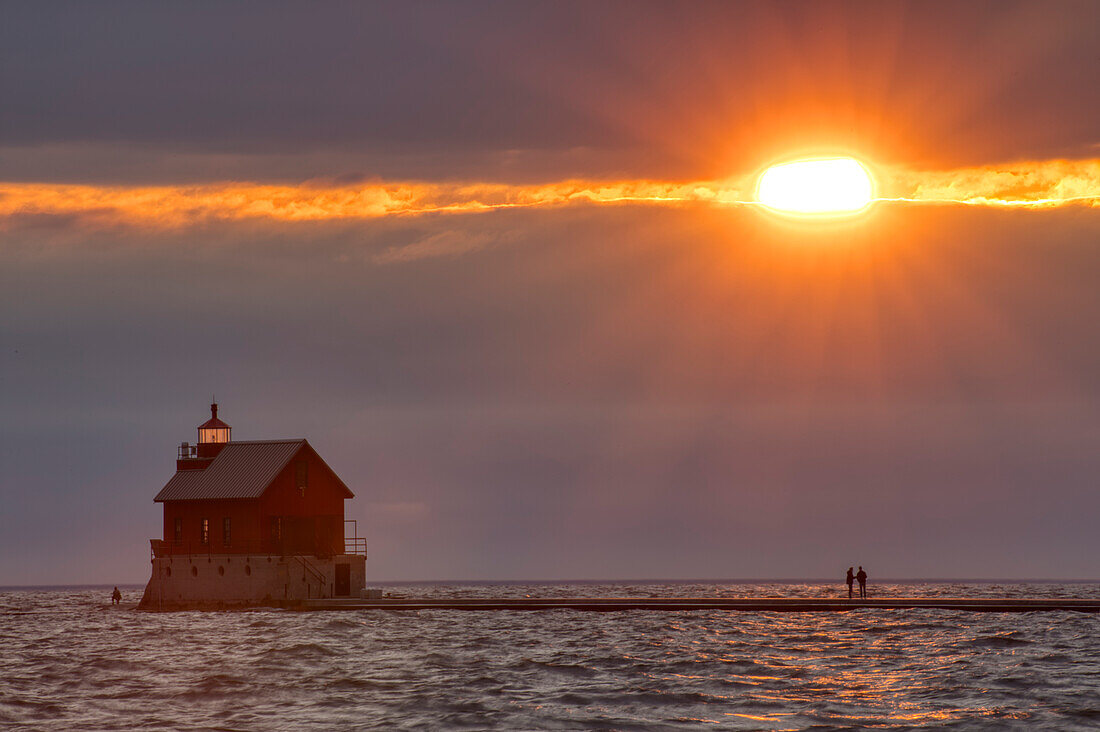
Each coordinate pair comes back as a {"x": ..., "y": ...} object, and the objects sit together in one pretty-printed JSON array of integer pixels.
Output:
[
  {"x": 850, "y": 579},
  {"x": 116, "y": 597},
  {"x": 862, "y": 577}
]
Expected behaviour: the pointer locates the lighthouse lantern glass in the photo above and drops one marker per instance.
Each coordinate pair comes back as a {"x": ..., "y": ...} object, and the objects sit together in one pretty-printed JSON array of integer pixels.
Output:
[{"x": 213, "y": 434}]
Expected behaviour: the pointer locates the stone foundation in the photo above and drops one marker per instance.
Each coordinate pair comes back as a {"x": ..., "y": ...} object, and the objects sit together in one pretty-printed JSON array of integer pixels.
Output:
[{"x": 223, "y": 581}]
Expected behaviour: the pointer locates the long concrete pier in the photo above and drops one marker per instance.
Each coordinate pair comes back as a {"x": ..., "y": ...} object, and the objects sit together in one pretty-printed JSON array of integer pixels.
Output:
[{"x": 754, "y": 604}]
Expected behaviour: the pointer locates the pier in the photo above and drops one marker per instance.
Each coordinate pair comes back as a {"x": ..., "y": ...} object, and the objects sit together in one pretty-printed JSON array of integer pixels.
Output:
[{"x": 755, "y": 604}]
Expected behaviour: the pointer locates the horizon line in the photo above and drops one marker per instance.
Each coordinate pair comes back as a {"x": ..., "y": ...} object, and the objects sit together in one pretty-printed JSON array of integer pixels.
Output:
[{"x": 728, "y": 581}]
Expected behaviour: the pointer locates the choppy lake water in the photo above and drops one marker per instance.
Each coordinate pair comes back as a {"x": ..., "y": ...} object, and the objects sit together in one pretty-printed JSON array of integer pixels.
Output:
[{"x": 70, "y": 661}]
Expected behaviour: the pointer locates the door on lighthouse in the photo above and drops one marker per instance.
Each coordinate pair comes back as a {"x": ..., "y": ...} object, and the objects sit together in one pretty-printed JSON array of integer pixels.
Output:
[{"x": 343, "y": 580}]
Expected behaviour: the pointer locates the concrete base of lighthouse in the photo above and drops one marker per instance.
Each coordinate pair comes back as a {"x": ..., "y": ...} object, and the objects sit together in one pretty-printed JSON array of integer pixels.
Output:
[{"x": 224, "y": 581}]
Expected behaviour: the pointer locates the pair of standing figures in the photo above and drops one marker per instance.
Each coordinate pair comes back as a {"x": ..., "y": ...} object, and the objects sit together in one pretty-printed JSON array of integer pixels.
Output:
[{"x": 860, "y": 577}]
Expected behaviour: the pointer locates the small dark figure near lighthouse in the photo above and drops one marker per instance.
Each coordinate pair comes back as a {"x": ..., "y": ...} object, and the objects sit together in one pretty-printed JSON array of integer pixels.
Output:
[
  {"x": 116, "y": 597},
  {"x": 862, "y": 577},
  {"x": 850, "y": 579}
]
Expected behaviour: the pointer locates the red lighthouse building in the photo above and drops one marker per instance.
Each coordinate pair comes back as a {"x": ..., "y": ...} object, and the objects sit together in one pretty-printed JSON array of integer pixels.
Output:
[{"x": 251, "y": 523}]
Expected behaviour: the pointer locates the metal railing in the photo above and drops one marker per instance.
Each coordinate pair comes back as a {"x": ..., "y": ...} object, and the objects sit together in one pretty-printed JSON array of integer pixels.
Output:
[
  {"x": 354, "y": 544},
  {"x": 317, "y": 574}
]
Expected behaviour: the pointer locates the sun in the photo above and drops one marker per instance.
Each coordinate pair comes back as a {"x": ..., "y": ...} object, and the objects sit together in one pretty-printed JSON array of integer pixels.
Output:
[{"x": 820, "y": 186}]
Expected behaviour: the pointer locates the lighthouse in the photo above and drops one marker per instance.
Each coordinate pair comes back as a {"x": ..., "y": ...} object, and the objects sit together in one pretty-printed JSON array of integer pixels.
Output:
[{"x": 252, "y": 523}]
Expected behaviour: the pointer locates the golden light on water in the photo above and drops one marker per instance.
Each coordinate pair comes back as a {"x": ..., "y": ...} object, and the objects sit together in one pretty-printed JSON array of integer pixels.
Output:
[{"x": 822, "y": 186}]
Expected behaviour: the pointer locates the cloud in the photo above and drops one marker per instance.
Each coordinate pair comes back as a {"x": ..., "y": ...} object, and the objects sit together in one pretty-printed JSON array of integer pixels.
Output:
[
  {"x": 440, "y": 244},
  {"x": 1046, "y": 183},
  {"x": 168, "y": 207},
  {"x": 666, "y": 84},
  {"x": 1031, "y": 184}
]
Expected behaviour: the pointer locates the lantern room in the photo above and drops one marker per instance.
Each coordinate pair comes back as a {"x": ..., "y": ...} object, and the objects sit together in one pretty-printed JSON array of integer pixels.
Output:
[
  {"x": 214, "y": 434},
  {"x": 214, "y": 430}
]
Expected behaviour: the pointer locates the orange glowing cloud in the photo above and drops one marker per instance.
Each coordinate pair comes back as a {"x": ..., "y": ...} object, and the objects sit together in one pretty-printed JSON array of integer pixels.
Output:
[
  {"x": 1043, "y": 184},
  {"x": 174, "y": 206}
]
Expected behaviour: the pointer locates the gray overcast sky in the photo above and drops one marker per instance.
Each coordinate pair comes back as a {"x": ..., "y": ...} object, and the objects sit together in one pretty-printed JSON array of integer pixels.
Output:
[{"x": 575, "y": 392}]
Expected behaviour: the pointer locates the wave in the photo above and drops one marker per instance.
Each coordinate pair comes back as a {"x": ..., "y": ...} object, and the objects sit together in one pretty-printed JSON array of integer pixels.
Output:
[{"x": 65, "y": 665}]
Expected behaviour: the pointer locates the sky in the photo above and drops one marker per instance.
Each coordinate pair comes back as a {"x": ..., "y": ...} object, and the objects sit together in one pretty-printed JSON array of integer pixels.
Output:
[{"x": 501, "y": 264}]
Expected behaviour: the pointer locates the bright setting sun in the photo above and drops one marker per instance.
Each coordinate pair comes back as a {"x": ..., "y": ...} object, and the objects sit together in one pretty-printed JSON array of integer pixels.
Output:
[{"x": 823, "y": 186}]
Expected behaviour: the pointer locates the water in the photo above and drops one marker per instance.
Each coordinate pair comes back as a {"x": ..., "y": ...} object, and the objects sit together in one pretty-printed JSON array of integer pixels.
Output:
[{"x": 69, "y": 660}]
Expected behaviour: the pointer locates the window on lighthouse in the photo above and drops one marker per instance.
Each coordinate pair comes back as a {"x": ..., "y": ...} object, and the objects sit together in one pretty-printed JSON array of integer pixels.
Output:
[{"x": 301, "y": 477}]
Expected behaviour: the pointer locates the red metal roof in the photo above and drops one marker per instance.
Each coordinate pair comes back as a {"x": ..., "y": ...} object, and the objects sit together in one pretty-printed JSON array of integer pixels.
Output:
[
  {"x": 213, "y": 424},
  {"x": 240, "y": 470}
]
